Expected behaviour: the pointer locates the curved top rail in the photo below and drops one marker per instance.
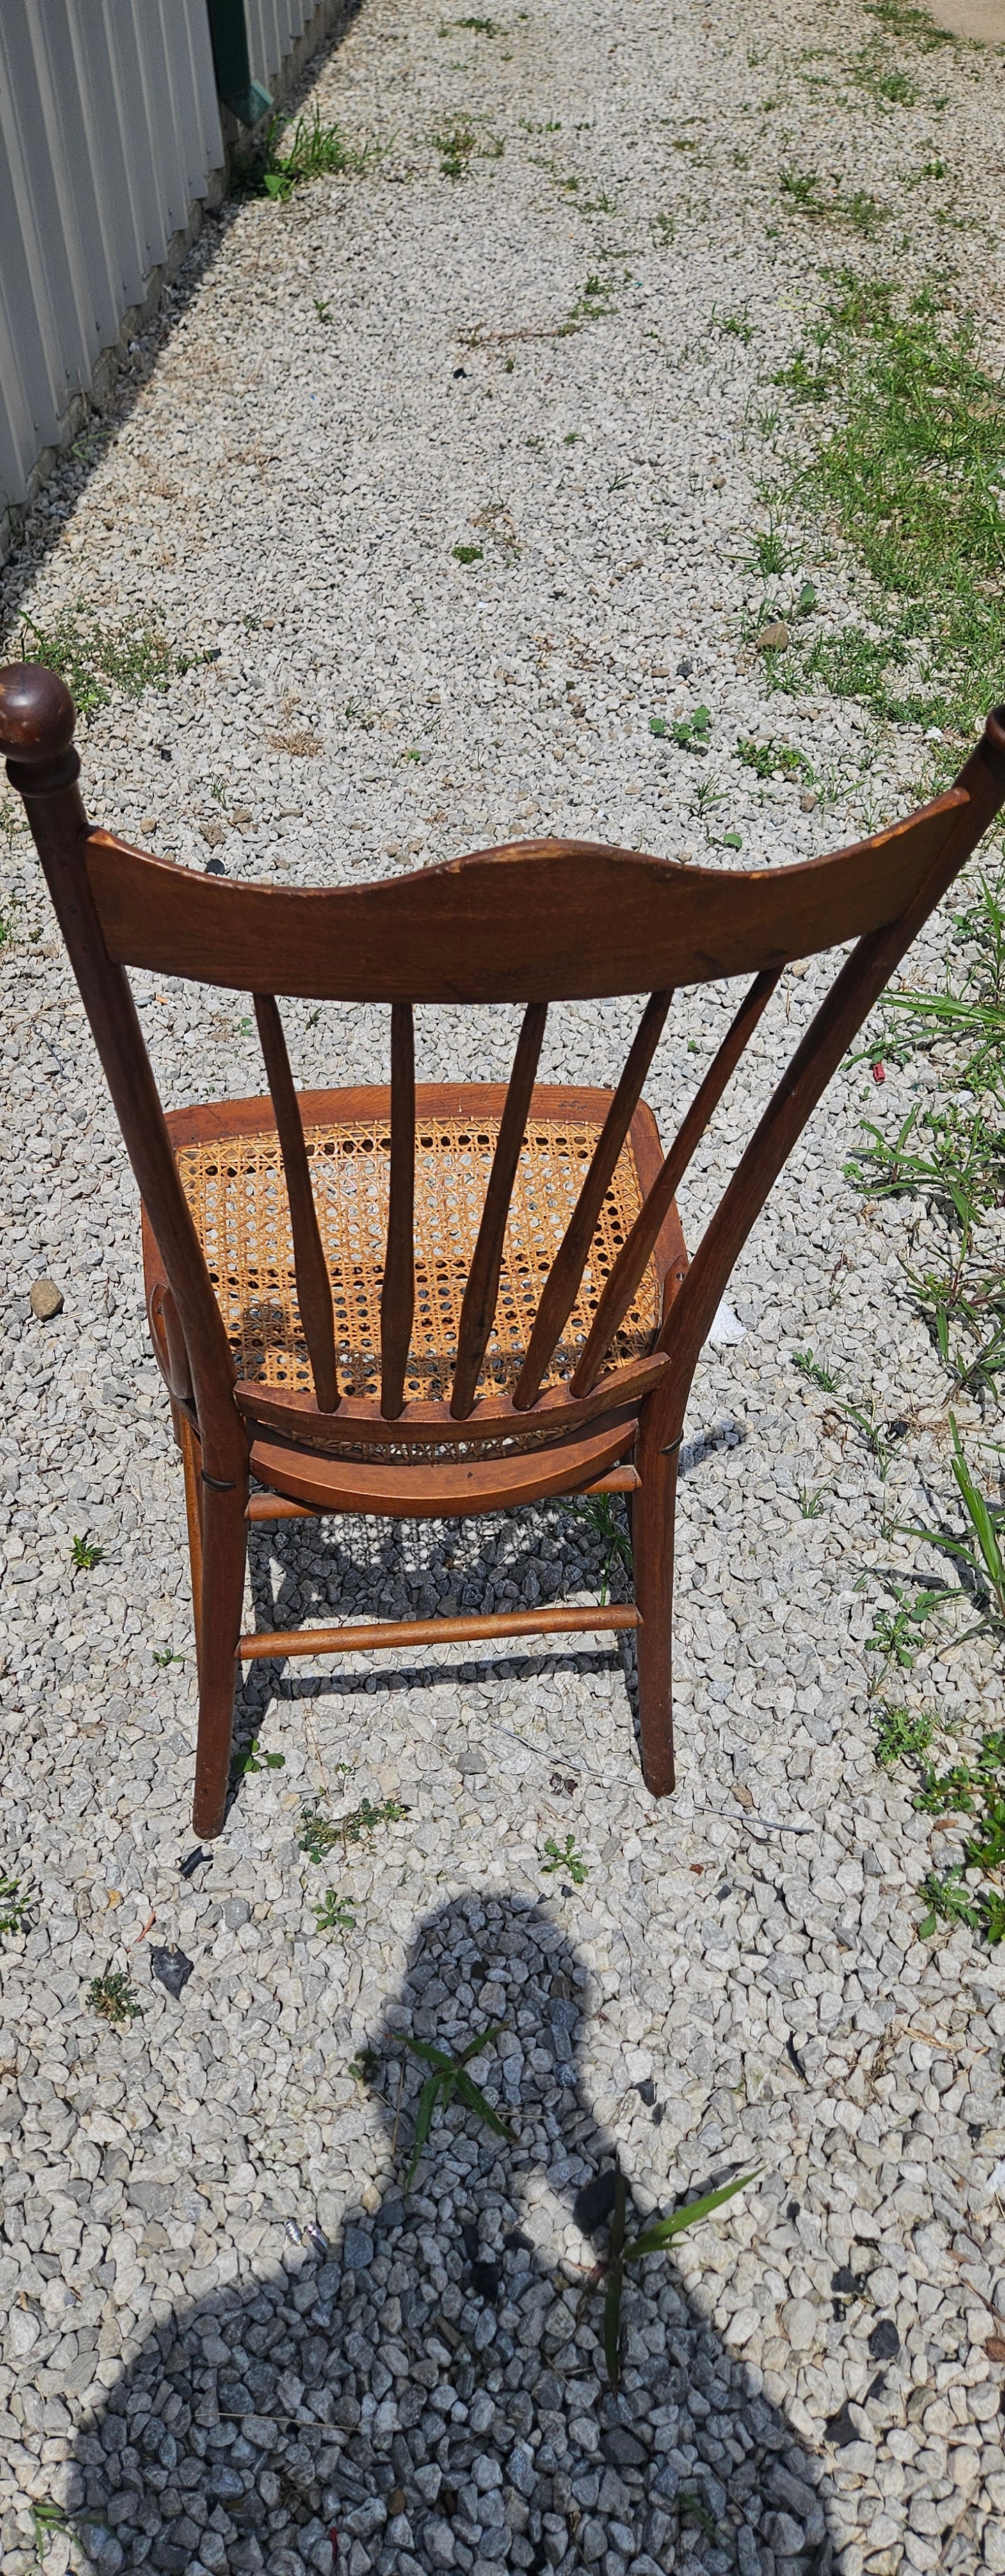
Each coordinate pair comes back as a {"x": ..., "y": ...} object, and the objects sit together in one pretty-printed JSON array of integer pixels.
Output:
[{"x": 532, "y": 921}]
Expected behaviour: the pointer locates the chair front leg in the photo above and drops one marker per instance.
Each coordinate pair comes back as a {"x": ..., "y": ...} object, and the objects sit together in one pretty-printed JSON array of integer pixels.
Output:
[
  {"x": 224, "y": 1561},
  {"x": 653, "y": 1515}
]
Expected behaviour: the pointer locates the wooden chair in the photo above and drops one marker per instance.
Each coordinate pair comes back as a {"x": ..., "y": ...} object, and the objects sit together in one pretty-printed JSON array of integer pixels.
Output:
[{"x": 427, "y": 1301}]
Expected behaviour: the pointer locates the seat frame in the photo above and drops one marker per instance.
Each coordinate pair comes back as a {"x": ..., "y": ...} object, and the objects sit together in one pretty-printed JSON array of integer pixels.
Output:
[{"x": 532, "y": 922}]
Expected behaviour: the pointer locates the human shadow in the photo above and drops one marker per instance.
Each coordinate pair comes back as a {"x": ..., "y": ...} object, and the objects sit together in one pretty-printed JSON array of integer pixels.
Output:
[{"x": 428, "y": 2392}]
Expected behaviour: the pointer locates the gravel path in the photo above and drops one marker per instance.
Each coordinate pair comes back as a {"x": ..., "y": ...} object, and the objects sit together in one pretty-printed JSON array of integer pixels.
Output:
[{"x": 230, "y": 2329}]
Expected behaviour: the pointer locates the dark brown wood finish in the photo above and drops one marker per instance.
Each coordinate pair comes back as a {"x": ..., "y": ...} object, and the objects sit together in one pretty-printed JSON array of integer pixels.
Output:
[
  {"x": 535, "y": 920},
  {"x": 397, "y": 1303},
  {"x": 624, "y": 1279},
  {"x": 314, "y": 1294},
  {"x": 532, "y": 923},
  {"x": 479, "y": 1305},
  {"x": 561, "y": 1287}
]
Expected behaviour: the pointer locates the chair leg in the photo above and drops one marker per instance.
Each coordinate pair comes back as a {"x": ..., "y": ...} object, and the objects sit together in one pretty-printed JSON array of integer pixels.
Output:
[
  {"x": 653, "y": 1509},
  {"x": 224, "y": 1559},
  {"x": 191, "y": 1462}
]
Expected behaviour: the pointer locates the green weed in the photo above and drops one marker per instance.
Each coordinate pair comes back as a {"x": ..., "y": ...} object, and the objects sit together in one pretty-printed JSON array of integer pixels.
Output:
[
  {"x": 655, "y": 2238},
  {"x": 335, "y": 1913},
  {"x": 811, "y": 1504},
  {"x": 319, "y": 1833},
  {"x": 467, "y": 554},
  {"x": 113, "y": 1997},
  {"x": 13, "y": 1906},
  {"x": 93, "y": 658},
  {"x": 315, "y": 151},
  {"x": 450, "y": 2076},
  {"x": 860, "y": 212},
  {"x": 978, "y": 1554},
  {"x": 568, "y": 1858},
  {"x": 253, "y": 1759},
  {"x": 601, "y": 1516},
  {"x": 455, "y": 146},
  {"x": 814, "y": 1370},
  {"x": 766, "y": 759},
  {"x": 165, "y": 1656},
  {"x": 691, "y": 733},
  {"x": 86, "y": 1555},
  {"x": 900, "y": 18},
  {"x": 901, "y": 1737},
  {"x": 900, "y": 1634}
]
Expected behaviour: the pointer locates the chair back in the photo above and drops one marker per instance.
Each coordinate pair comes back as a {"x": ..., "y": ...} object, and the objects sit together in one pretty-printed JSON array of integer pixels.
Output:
[{"x": 535, "y": 922}]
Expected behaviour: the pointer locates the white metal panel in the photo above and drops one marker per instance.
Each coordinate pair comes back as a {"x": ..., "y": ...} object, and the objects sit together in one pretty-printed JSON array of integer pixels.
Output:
[
  {"x": 109, "y": 130},
  {"x": 273, "y": 29}
]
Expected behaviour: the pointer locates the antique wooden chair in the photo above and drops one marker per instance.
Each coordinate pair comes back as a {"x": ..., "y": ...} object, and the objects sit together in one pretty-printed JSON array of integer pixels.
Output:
[{"x": 430, "y": 1301}]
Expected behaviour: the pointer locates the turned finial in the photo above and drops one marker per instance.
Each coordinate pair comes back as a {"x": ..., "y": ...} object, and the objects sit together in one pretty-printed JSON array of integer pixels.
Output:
[{"x": 37, "y": 715}]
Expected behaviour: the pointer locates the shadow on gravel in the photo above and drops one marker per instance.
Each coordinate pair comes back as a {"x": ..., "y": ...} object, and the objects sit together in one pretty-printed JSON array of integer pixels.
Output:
[
  {"x": 431, "y": 2387},
  {"x": 372, "y": 1569}
]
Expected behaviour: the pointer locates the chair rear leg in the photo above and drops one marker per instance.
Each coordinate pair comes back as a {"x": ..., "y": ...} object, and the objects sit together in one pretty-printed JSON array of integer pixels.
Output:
[
  {"x": 653, "y": 1512},
  {"x": 224, "y": 1560}
]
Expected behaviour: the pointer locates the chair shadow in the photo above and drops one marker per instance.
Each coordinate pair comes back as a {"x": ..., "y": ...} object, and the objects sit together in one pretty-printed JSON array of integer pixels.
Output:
[
  {"x": 429, "y": 2388},
  {"x": 350, "y": 1569}
]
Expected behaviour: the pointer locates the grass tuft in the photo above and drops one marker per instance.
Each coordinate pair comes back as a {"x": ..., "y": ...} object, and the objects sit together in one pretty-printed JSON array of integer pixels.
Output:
[
  {"x": 315, "y": 151},
  {"x": 93, "y": 658},
  {"x": 913, "y": 474}
]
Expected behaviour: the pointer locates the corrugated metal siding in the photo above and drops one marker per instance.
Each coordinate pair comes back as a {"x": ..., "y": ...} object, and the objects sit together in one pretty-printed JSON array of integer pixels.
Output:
[
  {"x": 273, "y": 28},
  {"x": 109, "y": 130}
]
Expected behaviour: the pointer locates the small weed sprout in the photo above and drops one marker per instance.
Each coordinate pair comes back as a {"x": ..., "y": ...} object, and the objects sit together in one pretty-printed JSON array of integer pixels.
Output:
[
  {"x": 365, "y": 2066},
  {"x": 165, "y": 1656},
  {"x": 811, "y": 1503},
  {"x": 691, "y": 733},
  {"x": 814, "y": 1370},
  {"x": 254, "y": 1759},
  {"x": 13, "y": 1906},
  {"x": 85, "y": 1555},
  {"x": 467, "y": 554},
  {"x": 113, "y": 1997},
  {"x": 900, "y": 1634},
  {"x": 567, "y": 1858},
  {"x": 455, "y": 146},
  {"x": 655, "y": 2238},
  {"x": 450, "y": 2076},
  {"x": 335, "y": 1913}
]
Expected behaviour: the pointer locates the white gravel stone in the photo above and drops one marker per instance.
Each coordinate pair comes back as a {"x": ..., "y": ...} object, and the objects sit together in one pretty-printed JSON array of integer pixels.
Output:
[{"x": 562, "y": 357}]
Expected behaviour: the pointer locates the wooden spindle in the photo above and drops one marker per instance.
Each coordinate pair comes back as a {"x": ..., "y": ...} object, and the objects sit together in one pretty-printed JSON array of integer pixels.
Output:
[
  {"x": 637, "y": 1250},
  {"x": 478, "y": 1309},
  {"x": 397, "y": 1296},
  {"x": 562, "y": 1285},
  {"x": 313, "y": 1283}
]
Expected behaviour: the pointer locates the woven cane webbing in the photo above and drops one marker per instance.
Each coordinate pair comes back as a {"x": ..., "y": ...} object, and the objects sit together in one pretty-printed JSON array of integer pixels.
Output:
[{"x": 237, "y": 1194}]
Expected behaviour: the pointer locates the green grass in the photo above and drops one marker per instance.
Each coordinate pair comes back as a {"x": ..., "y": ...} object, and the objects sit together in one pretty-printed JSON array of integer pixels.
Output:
[
  {"x": 85, "y": 1555},
  {"x": 911, "y": 471},
  {"x": 859, "y": 213},
  {"x": 319, "y": 1833},
  {"x": 314, "y": 151},
  {"x": 766, "y": 759},
  {"x": 93, "y": 658},
  {"x": 973, "y": 1787},
  {"x": 950, "y": 1153}
]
